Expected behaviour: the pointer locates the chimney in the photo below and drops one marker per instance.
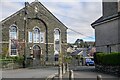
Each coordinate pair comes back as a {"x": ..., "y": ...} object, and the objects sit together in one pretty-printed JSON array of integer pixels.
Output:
[
  {"x": 110, "y": 7},
  {"x": 118, "y": 5}
]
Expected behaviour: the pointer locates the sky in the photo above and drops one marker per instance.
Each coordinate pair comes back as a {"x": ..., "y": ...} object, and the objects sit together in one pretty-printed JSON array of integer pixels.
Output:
[{"x": 77, "y": 15}]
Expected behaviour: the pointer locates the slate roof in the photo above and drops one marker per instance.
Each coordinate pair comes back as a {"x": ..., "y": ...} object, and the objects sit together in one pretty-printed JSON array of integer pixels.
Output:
[
  {"x": 102, "y": 19},
  {"x": 76, "y": 52}
]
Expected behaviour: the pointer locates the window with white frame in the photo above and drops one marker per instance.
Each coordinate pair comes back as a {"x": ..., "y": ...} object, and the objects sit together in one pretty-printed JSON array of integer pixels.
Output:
[
  {"x": 30, "y": 37},
  {"x": 36, "y": 35},
  {"x": 42, "y": 37},
  {"x": 56, "y": 40},
  {"x": 57, "y": 44},
  {"x": 13, "y": 40}
]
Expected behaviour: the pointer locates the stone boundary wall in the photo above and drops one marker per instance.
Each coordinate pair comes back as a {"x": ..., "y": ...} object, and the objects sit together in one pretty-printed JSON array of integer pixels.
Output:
[{"x": 115, "y": 70}]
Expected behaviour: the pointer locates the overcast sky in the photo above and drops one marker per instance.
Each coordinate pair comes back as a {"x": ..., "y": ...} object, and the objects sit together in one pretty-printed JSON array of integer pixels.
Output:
[{"x": 75, "y": 14}]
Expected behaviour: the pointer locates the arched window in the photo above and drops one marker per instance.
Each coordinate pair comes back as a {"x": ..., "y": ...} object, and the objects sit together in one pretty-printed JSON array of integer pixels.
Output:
[
  {"x": 57, "y": 41},
  {"x": 36, "y": 35},
  {"x": 13, "y": 40}
]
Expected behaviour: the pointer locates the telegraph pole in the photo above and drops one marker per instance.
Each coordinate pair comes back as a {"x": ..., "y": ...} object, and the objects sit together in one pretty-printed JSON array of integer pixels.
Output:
[{"x": 25, "y": 24}]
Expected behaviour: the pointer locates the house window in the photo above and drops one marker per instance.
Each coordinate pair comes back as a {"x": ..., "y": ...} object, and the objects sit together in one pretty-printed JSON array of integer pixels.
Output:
[
  {"x": 108, "y": 49},
  {"x": 30, "y": 37},
  {"x": 42, "y": 37},
  {"x": 13, "y": 40},
  {"x": 36, "y": 35}
]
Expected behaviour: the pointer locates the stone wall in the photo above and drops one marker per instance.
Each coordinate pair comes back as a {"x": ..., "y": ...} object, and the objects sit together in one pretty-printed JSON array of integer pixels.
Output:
[{"x": 108, "y": 69}]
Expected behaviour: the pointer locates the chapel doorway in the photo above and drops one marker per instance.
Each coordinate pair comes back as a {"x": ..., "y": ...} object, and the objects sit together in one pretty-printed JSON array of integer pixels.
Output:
[{"x": 36, "y": 55}]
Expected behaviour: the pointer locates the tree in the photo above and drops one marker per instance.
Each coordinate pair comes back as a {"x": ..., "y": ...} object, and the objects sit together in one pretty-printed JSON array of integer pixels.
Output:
[
  {"x": 80, "y": 43},
  {"x": 86, "y": 45}
]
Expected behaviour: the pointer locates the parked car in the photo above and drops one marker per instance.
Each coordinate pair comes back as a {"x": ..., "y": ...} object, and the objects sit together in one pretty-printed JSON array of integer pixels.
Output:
[{"x": 89, "y": 61}]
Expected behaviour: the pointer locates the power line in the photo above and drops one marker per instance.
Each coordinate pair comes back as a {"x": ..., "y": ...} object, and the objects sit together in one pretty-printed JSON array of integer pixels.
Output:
[
  {"x": 78, "y": 20},
  {"x": 55, "y": 13},
  {"x": 80, "y": 33}
]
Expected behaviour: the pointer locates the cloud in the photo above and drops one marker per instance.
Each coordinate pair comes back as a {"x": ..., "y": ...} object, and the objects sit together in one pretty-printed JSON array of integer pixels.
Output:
[
  {"x": 71, "y": 0},
  {"x": 17, "y": 0},
  {"x": 8, "y": 8},
  {"x": 75, "y": 14},
  {"x": 79, "y": 17}
]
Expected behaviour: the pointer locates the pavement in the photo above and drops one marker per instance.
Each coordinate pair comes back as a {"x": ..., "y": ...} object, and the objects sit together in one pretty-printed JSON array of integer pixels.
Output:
[{"x": 41, "y": 73}]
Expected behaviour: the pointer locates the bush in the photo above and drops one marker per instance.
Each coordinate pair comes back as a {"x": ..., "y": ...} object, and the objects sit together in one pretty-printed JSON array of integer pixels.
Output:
[
  {"x": 68, "y": 59},
  {"x": 107, "y": 59},
  {"x": 16, "y": 59},
  {"x": 17, "y": 62}
]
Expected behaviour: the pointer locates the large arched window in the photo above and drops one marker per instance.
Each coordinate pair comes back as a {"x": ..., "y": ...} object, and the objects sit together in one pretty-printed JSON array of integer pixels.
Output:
[
  {"x": 13, "y": 40},
  {"x": 36, "y": 35}
]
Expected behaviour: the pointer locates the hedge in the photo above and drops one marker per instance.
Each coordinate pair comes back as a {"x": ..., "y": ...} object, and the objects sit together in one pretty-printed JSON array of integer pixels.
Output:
[
  {"x": 15, "y": 59},
  {"x": 107, "y": 59}
]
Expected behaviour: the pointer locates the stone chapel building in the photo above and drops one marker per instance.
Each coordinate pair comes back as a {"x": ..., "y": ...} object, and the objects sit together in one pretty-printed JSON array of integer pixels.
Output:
[{"x": 34, "y": 32}]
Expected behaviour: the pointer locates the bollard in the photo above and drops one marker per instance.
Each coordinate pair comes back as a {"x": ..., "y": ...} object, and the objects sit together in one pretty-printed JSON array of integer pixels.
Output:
[
  {"x": 66, "y": 67},
  {"x": 60, "y": 72},
  {"x": 63, "y": 69},
  {"x": 71, "y": 75},
  {"x": 99, "y": 77}
]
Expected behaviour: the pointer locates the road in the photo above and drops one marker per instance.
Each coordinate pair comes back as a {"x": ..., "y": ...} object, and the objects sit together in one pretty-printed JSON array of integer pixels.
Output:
[
  {"x": 29, "y": 73},
  {"x": 80, "y": 73},
  {"x": 89, "y": 73}
]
